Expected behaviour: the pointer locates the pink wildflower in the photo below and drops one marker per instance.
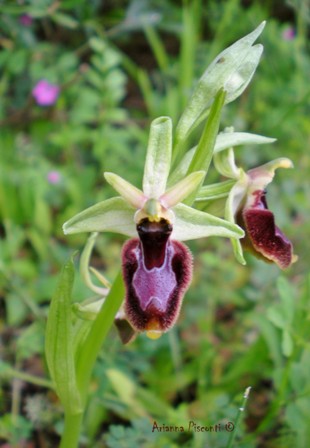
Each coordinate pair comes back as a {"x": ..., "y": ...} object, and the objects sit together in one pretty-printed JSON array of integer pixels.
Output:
[
  {"x": 44, "y": 93},
  {"x": 25, "y": 20},
  {"x": 53, "y": 177},
  {"x": 288, "y": 33}
]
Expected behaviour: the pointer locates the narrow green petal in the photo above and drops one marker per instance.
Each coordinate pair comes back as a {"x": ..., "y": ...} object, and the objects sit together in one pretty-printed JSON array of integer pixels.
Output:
[
  {"x": 182, "y": 189},
  {"x": 129, "y": 192},
  {"x": 158, "y": 158},
  {"x": 192, "y": 224},
  {"x": 112, "y": 215}
]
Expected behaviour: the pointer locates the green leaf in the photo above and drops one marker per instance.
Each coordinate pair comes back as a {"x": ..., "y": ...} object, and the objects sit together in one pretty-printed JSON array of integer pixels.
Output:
[
  {"x": 204, "y": 152},
  {"x": 191, "y": 224},
  {"x": 59, "y": 343},
  {"x": 64, "y": 20},
  {"x": 275, "y": 315},
  {"x": 158, "y": 158},
  {"x": 231, "y": 70},
  {"x": 89, "y": 349},
  {"x": 287, "y": 297},
  {"x": 112, "y": 215},
  {"x": 287, "y": 343}
]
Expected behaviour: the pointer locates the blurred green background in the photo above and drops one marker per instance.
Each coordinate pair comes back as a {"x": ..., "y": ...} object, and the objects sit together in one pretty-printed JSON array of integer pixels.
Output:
[{"x": 119, "y": 64}]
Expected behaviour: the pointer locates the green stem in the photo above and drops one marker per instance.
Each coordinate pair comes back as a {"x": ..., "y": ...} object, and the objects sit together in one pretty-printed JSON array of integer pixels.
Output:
[
  {"x": 238, "y": 417},
  {"x": 70, "y": 437},
  {"x": 97, "y": 335},
  {"x": 29, "y": 378},
  {"x": 87, "y": 358}
]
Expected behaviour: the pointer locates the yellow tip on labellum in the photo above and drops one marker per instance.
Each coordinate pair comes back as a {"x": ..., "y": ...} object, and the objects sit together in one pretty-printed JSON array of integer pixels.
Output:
[
  {"x": 154, "y": 334},
  {"x": 153, "y": 330}
]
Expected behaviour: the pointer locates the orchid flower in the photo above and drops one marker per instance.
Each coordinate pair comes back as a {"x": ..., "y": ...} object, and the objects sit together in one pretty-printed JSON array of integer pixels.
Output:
[
  {"x": 157, "y": 267},
  {"x": 247, "y": 206}
]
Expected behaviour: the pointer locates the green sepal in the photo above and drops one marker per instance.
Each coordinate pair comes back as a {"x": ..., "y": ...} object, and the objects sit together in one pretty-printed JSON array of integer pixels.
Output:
[
  {"x": 231, "y": 70},
  {"x": 191, "y": 224},
  {"x": 228, "y": 139},
  {"x": 84, "y": 267},
  {"x": 214, "y": 191},
  {"x": 235, "y": 198},
  {"x": 158, "y": 158},
  {"x": 224, "y": 140},
  {"x": 224, "y": 163},
  {"x": 112, "y": 215},
  {"x": 59, "y": 348}
]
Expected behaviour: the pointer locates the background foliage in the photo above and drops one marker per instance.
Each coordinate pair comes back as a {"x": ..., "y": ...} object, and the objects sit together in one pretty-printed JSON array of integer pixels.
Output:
[{"x": 118, "y": 65}]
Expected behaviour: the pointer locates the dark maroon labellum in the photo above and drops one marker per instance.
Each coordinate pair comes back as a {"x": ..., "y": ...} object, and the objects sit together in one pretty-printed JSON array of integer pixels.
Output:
[
  {"x": 157, "y": 271},
  {"x": 263, "y": 237}
]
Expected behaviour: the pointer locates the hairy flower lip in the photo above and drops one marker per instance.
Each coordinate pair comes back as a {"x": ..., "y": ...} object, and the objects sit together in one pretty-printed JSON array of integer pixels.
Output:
[
  {"x": 263, "y": 238},
  {"x": 156, "y": 277}
]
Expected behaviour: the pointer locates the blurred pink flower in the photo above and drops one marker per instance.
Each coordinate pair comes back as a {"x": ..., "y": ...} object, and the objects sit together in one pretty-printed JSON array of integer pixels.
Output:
[
  {"x": 25, "y": 20},
  {"x": 44, "y": 93},
  {"x": 288, "y": 33},
  {"x": 53, "y": 177}
]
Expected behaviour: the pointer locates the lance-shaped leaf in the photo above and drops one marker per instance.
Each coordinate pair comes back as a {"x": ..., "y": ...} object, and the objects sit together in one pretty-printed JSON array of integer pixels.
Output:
[
  {"x": 112, "y": 215},
  {"x": 129, "y": 192},
  {"x": 59, "y": 347},
  {"x": 203, "y": 155},
  {"x": 204, "y": 152},
  {"x": 191, "y": 224},
  {"x": 182, "y": 189},
  {"x": 158, "y": 158},
  {"x": 232, "y": 70},
  {"x": 224, "y": 140}
]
